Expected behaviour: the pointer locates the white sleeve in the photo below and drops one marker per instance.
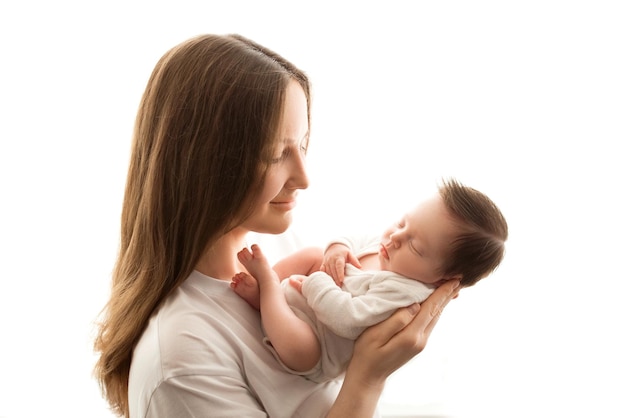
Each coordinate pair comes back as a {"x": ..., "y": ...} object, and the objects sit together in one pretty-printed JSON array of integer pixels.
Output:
[
  {"x": 347, "y": 315},
  {"x": 355, "y": 242}
]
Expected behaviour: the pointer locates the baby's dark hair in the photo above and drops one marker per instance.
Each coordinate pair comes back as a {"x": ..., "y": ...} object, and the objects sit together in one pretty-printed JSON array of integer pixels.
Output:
[{"x": 479, "y": 248}]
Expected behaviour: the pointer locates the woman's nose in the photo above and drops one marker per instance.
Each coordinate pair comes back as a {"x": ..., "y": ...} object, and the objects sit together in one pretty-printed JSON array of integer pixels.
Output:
[{"x": 298, "y": 178}]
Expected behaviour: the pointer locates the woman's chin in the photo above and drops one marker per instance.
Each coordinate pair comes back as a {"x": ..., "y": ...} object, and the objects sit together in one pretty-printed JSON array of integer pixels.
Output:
[{"x": 275, "y": 228}]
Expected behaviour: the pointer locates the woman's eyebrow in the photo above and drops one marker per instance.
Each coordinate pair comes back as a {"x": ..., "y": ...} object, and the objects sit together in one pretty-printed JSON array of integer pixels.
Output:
[{"x": 289, "y": 139}]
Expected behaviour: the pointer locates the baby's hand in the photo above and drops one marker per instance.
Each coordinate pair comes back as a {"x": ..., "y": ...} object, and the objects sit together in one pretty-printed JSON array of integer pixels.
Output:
[
  {"x": 335, "y": 259},
  {"x": 296, "y": 282}
]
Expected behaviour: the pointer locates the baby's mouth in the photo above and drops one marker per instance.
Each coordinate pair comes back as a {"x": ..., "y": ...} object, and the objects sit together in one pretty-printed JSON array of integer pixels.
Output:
[{"x": 383, "y": 251}]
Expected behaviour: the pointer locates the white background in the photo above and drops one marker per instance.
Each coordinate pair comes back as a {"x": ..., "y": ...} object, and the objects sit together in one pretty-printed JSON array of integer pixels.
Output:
[{"x": 524, "y": 100}]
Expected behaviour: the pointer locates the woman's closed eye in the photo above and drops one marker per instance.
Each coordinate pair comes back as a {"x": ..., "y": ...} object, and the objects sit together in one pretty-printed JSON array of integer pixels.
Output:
[
  {"x": 283, "y": 156},
  {"x": 287, "y": 151}
]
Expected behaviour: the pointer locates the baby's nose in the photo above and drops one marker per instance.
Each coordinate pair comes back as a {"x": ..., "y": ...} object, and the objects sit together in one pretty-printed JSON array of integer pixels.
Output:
[{"x": 395, "y": 240}]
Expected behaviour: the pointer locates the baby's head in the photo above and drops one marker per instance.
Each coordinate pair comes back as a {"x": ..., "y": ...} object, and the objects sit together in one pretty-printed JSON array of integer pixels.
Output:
[
  {"x": 458, "y": 234},
  {"x": 479, "y": 247}
]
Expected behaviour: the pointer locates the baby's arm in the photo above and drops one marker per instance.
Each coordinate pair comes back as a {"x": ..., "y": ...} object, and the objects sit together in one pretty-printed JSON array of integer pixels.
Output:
[
  {"x": 292, "y": 338},
  {"x": 304, "y": 261},
  {"x": 336, "y": 255},
  {"x": 348, "y": 315}
]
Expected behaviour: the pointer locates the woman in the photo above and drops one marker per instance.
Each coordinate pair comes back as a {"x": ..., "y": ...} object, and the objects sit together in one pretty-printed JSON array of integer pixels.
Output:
[{"x": 218, "y": 151}]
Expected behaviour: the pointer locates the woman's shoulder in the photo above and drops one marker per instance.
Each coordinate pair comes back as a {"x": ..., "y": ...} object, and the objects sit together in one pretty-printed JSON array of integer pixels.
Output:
[
  {"x": 206, "y": 334},
  {"x": 203, "y": 321}
]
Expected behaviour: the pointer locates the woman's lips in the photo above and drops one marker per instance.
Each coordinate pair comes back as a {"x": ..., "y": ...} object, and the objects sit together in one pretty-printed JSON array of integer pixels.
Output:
[{"x": 284, "y": 206}]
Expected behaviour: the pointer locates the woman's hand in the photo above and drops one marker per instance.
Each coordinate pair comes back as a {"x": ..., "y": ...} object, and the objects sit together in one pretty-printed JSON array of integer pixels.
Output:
[
  {"x": 385, "y": 347},
  {"x": 335, "y": 258}
]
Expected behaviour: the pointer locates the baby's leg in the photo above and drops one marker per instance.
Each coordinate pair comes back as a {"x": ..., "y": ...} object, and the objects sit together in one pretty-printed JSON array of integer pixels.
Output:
[
  {"x": 247, "y": 288},
  {"x": 293, "y": 339},
  {"x": 304, "y": 262}
]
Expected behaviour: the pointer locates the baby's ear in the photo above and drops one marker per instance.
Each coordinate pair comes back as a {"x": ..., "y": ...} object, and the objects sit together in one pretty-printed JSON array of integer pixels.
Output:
[
  {"x": 453, "y": 277},
  {"x": 448, "y": 278},
  {"x": 458, "y": 277}
]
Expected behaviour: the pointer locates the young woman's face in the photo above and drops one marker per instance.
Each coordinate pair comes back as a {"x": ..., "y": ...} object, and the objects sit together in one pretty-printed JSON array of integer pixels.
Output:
[
  {"x": 287, "y": 173},
  {"x": 416, "y": 246}
]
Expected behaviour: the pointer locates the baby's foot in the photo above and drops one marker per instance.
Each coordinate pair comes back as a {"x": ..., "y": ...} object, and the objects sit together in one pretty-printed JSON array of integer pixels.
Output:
[
  {"x": 247, "y": 288},
  {"x": 255, "y": 262}
]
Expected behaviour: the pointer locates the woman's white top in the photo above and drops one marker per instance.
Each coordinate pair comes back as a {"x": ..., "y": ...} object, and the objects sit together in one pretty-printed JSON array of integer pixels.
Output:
[{"x": 202, "y": 355}]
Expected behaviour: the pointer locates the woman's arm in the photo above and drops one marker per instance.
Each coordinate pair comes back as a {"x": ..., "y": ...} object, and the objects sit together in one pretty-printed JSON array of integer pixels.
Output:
[{"x": 384, "y": 348}]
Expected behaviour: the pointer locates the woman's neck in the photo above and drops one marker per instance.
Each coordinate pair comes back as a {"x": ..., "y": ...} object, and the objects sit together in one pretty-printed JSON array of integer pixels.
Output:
[{"x": 220, "y": 261}]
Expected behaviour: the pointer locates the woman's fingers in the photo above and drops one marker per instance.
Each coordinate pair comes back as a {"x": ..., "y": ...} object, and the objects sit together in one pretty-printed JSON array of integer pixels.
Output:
[
  {"x": 430, "y": 311},
  {"x": 387, "y": 346},
  {"x": 383, "y": 348},
  {"x": 435, "y": 305},
  {"x": 381, "y": 333},
  {"x": 417, "y": 321}
]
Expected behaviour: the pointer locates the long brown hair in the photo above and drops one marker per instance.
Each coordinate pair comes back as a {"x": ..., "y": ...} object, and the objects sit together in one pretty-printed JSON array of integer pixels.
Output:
[
  {"x": 479, "y": 249},
  {"x": 205, "y": 129}
]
